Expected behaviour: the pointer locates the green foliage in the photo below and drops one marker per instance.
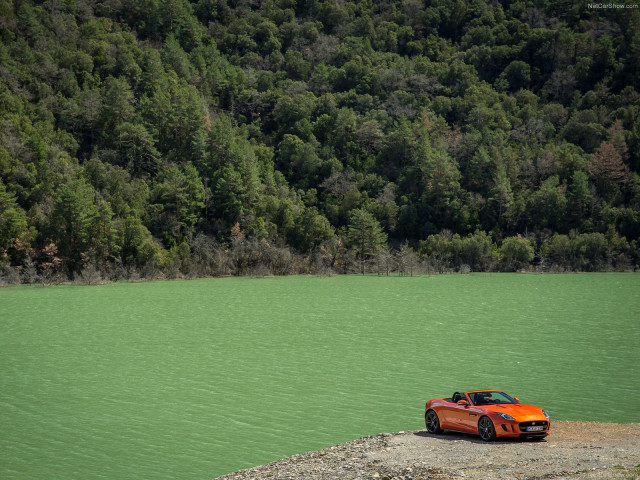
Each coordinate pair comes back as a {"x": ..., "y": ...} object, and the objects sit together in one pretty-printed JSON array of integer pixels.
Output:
[
  {"x": 13, "y": 227},
  {"x": 364, "y": 234},
  {"x": 178, "y": 198},
  {"x": 77, "y": 226},
  {"x": 476, "y": 250},
  {"x": 516, "y": 253},
  {"x": 128, "y": 129}
]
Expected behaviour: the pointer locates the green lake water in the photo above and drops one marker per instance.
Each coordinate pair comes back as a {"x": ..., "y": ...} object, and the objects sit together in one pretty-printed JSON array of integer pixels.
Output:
[{"x": 194, "y": 379}]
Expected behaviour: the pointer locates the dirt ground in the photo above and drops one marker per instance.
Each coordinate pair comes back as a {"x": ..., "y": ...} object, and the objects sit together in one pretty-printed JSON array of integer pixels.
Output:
[{"x": 573, "y": 450}]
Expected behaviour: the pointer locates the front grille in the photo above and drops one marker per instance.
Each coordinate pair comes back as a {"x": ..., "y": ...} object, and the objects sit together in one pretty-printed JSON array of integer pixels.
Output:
[{"x": 537, "y": 423}]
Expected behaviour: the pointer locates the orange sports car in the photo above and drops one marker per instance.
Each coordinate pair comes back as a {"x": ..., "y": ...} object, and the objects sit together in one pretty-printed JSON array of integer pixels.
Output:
[{"x": 489, "y": 413}]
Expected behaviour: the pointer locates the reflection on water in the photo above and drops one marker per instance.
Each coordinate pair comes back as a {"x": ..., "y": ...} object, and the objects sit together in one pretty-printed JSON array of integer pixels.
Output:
[{"x": 198, "y": 378}]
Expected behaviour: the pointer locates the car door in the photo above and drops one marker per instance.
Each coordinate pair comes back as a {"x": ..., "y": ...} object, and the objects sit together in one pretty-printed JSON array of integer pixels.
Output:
[
  {"x": 463, "y": 416},
  {"x": 469, "y": 421}
]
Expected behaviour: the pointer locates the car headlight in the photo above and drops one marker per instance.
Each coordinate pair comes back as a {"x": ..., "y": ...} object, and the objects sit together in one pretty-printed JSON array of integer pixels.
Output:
[
  {"x": 505, "y": 416},
  {"x": 546, "y": 414}
]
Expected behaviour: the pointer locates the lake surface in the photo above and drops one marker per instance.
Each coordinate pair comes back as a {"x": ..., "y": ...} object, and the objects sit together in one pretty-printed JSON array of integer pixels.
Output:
[{"x": 194, "y": 379}]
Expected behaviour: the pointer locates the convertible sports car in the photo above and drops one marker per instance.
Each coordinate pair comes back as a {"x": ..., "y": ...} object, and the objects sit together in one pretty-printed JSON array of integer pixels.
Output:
[{"x": 488, "y": 413}]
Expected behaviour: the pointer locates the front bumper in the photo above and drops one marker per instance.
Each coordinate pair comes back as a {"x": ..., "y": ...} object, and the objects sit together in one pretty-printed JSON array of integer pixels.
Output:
[{"x": 513, "y": 429}]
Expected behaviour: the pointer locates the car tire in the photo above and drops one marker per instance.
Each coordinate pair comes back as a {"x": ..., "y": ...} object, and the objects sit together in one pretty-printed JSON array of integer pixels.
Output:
[
  {"x": 486, "y": 430},
  {"x": 432, "y": 422}
]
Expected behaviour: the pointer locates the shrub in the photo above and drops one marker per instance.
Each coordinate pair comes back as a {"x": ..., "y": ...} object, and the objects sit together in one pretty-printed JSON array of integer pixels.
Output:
[{"x": 516, "y": 252}]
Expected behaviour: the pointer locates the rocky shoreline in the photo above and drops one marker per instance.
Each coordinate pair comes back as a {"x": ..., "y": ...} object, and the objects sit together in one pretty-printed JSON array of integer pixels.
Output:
[{"x": 573, "y": 450}]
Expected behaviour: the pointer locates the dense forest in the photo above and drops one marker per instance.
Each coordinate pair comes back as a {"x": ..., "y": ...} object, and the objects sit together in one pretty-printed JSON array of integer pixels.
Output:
[{"x": 164, "y": 138}]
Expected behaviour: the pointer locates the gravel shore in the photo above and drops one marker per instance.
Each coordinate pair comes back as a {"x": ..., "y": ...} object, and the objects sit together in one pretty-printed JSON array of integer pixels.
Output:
[{"x": 573, "y": 450}]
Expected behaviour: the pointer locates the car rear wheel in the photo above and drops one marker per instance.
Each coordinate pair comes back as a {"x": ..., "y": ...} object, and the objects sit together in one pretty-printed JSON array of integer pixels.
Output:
[
  {"x": 486, "y": 429},
  {"x": 432, "y": 422}
]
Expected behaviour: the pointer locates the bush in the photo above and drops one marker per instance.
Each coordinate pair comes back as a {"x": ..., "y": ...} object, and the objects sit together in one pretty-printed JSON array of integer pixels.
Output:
[{"x": 516, "y": 253}]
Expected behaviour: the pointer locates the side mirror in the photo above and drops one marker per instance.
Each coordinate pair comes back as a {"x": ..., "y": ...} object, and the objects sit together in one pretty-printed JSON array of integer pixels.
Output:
[
  {"x": 463, "y": 403},
  {"x": 516, "y": 399}
]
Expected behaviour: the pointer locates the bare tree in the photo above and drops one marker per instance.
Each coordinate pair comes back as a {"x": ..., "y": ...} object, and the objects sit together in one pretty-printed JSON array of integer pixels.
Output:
[
  {"x": 9, "y": 276},
  {"x": 406, "y": 259},
  {"x": 385, "y": 262},
  {"x": 332, "y": 252},
  {"x": 207, "y": 255},
  {"x": 90, "y": 275}
]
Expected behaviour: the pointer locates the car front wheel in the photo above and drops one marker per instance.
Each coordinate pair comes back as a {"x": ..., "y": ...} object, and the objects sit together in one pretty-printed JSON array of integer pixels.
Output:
[
  {"x": 432, "y": 422},
  {"x": 486, "y": 429}
]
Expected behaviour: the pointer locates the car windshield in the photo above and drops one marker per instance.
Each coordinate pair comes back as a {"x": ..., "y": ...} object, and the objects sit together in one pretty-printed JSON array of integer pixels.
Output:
[{"x": 490, "y": 398}]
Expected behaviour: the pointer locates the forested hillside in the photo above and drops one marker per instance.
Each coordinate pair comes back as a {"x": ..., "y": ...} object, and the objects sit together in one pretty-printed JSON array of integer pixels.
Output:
[{"x": 145, "y": 138}]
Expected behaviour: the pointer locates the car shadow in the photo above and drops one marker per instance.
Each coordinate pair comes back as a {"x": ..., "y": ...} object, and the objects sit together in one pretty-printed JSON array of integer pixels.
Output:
[{"x": 450, "y": 435}]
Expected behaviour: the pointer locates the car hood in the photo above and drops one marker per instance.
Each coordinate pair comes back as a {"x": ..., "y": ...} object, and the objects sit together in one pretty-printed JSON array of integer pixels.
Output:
[{"x": 519, "y": 411}]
